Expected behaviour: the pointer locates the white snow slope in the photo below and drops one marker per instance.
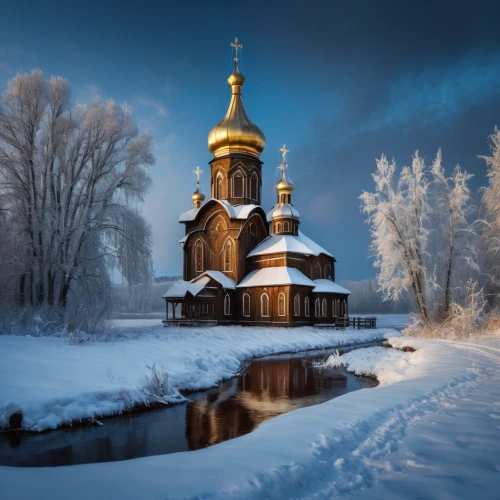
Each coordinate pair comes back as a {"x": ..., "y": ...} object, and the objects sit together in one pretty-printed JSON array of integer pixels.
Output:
[
  {"x": 429, "y": 430},
  {"x": 55, "y": 383}
]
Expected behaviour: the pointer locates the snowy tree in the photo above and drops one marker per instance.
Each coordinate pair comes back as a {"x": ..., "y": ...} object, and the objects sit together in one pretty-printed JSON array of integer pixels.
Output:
[
  {"x": 422, "y": 239},
  {"x": 397, "y": 211},
  {"x": 490, "y": 243},
  {"x": 455, "y": 237},
  {"x": 71, "y": 181}
]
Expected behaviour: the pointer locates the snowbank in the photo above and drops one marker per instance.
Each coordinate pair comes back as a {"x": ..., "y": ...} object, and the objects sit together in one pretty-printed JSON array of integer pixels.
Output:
[
  {"x": 334, "y": 450},
  {"x": 55, "y": 383}
]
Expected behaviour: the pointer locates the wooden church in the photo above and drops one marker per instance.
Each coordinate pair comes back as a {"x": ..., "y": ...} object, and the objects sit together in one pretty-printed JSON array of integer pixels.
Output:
[{"x": 241, "y": 265}]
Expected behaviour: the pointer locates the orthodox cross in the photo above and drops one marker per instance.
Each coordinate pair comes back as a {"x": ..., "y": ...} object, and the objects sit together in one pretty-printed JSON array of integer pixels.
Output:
[
  {"x": 237, "y": 46},
  {"x": 284, "y": 151},
  {"x": 198, "y": 171}
]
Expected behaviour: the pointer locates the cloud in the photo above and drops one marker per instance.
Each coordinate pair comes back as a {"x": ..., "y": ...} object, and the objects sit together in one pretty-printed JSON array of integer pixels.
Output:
[{"x": 158, "y": 108}]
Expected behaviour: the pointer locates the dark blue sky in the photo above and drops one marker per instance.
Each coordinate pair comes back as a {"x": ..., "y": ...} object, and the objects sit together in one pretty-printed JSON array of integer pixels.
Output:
[{"x": 338, "y": 82}]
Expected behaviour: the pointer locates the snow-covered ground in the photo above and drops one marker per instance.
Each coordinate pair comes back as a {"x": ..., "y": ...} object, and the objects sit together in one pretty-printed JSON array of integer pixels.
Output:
[
  {"x": 54, "y": 383},
  {"x": 431, "y": 429}
]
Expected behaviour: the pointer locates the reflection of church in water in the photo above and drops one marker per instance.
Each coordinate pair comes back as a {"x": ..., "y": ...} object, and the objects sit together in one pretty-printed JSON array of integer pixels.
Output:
[
  {"x": 270, "y": 388},
  {"x": 242, "y": 265}
]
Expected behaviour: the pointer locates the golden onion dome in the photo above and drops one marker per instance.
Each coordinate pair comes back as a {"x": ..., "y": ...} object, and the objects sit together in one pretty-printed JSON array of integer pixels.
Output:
[
  {"x": 236, "y": 133},
  {"x": 198, "y": 196},
  {"x": 284, "y": 184}
]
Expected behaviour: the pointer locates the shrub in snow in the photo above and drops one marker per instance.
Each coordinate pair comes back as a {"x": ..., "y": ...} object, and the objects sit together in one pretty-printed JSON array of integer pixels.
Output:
[{"x": 158, "y": 387}]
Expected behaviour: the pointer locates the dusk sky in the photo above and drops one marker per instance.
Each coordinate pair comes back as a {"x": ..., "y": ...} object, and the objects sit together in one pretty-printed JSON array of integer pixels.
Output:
[{"x": 338, "y": 82}]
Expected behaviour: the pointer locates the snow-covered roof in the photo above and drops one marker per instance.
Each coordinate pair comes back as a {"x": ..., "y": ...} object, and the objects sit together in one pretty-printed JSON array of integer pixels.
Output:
[
  {"x": 189, "y": 215},
  {"x": 279, "y": 243},
  {"x": 284, "y": 210},
  {"x": 220, "y": 277},
  {"x": 329, "y": 286},
  {"x": 180, "y": 288},
  {"x": 183, "y": 240},
  {"x": 237, "y": 212},
  {"x": 276, "y": 276}
]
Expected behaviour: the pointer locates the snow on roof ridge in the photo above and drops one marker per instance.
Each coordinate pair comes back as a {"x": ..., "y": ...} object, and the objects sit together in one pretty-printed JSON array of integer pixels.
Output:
[
  {"x": 237, "y": 212},
  {"x": 275, "y": 276},
  {"x": 226, "y": 282},
  {"x": 329, "y": 286},
  {"x": 278, "y": 243},
  {"x": 180, "y": 288}
]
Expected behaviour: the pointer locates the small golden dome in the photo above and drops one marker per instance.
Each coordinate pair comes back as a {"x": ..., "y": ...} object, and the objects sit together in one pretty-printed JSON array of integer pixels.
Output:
[
  {"x": 236, "y": 133},
  {"x": 198, "y": 196},
  {"x": 284, "y": 184}
]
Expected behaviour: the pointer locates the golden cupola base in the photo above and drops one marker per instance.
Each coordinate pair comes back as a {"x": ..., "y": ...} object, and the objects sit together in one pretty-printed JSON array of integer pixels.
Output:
[{"x": 236, "y": 134}]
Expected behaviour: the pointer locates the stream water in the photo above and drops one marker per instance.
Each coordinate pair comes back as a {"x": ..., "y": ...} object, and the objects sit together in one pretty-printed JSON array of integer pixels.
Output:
[{"x": 268, "y": 387}]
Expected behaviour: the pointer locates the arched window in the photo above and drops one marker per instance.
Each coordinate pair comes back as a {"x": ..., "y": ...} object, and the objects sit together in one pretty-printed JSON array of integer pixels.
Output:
[
  {"x": 286, "y": 227},
  {"x": 281, "y": 304},
  {"x": 317, "y": 271},
  {"x": 324, "y": 308},
  {"x": 227, "y": 304},
  {"x": 218, "y": 194},
  {"x": 253, "y": 186},
  {"x": 238, "y": 185},
  {"x": 264, "y": 305},
  {"x": 198, "y": 256},
  {"x": 278, "y": 227},
  {"x": 246, "y": 305},
  {"x": 334, "y": 308},
  {"x": 228, "y": 256},
  {"x": 328, "y": 271},
  {"x": 296, "y": 305},
  {"x": 306, "y": 306},
  {"x": 317, "y": 308}
]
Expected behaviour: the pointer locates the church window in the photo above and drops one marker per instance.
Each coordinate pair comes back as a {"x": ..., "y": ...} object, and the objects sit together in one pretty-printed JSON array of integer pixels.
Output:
[
  {"x": 317, "y": 308},
  {"x": 218, "y": 191},
  {"x": 278, "y": 228},
  {"x": 227, "y": 304},
  {"x": 317, "y": 271},
  {"x": 246, "y": 305},
  {"x": 198, "y": 256},
  {"x": 324, "y": 308},
  {"x": 281, "y": 304},
  {"x": 296, "y": 305},
  {"x": 334, "y": 308},
  {"x": 228, "y": 256},
  {"x": 264, "y": 305},
  {"x": 285, "y": 227},
  {"x": 306, "y": 306},
  {"x": 328, "y": 271},
  {"x": 238, "y": 185},
  {"x": 344, "y": 308},
  {"x": 253, "y": 186}
]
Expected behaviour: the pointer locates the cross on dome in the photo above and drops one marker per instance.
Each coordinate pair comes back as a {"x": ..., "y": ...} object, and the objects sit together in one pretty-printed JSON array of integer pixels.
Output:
[
  {"x": 198, "y": 171},
  {"x": 284, "y": 151},
  {"x": 237, "y": 46}
]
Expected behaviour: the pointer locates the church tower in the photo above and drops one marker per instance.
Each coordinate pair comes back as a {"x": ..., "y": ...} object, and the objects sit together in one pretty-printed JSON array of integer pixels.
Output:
[
  {"x": 285, "y": 218},
  {"x": 236, "y": 145}
]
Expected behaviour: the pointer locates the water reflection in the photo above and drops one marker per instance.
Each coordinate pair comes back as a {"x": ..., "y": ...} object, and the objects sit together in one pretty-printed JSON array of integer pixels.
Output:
[{"x": 268, "y": 388}]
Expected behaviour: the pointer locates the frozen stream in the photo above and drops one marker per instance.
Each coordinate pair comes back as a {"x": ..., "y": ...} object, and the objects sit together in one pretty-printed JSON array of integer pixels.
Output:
[{"x": 268, "y": 387}]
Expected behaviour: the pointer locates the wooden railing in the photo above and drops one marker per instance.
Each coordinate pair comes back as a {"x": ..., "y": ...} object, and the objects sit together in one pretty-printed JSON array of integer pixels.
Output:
[{"x": 349, "y": 322}]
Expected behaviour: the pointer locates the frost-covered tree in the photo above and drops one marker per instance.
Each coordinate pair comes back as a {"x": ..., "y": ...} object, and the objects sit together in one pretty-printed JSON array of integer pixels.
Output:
[
  {"x": 397, "y": 211},
  {"x": 71, "y": 181},
  {"x": 421, "y": 237},
  {"x": 454, "y": 235},
  {"x": 490, "y": 243}
]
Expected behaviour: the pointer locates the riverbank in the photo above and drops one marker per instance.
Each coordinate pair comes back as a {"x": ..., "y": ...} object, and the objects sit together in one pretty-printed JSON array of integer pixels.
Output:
[
  {"x": 53, "y": 383},
  {"x": 430, "y": 428}
]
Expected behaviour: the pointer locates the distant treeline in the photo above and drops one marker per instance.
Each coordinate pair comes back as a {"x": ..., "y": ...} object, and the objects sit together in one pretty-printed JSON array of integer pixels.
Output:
[{"x": 364, "y": 298}]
